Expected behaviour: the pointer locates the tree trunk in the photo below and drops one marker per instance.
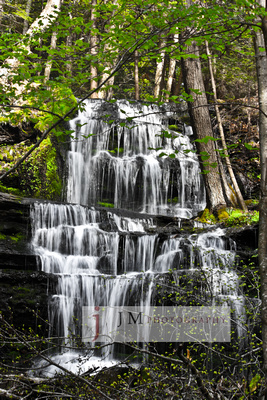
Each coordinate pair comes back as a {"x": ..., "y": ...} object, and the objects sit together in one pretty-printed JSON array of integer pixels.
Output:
[
  {"x": 93, "y": 45},
  {"x": 106, "y": 91},
  {"x": 2, "y": 3},
  {"x": 136, "y": 75},
  {"x": 171, "y": 72},
  {"x": 25, "y": 22},
  {"x": 69, "y": 44},
  {"x": 46, "y": 18},
  {"x": 48, "y": 66},
  {"x": 178, "y": 82},
  {"x": 159, "y": 70},
  {"x": 237, "y": 193},
  {"x": 202, "y": 127},
  {"x": 261, "y": 65}
]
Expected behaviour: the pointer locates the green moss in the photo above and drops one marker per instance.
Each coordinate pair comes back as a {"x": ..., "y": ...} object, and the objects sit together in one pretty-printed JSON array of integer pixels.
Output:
[
  {"x": 103, "y": 204},
  {"x": 2, "y": 236},
  {"x": 173, "y": 200},
  {"x": 230, "y": 217},
  {"x": 222, "y": 214},
  {"x": 17, "y": 237},
  {"x": 239, "y": 218},
  {"x": 175, "y": 128},
  {"x": 206, "y": 217},
  {"x": 252, "y": 202},
  {"x": 116, "y": 150}
]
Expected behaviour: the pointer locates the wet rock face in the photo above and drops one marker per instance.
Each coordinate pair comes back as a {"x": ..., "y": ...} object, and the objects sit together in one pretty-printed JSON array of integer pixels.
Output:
[
  {"x": 15, "y": 233},
  {"x": 24, "y": 299},
  {"x": 23, "y": 289}
]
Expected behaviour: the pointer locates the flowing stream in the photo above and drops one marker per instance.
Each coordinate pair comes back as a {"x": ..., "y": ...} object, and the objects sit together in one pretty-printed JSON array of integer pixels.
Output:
[{"x": 124, "y": 156}]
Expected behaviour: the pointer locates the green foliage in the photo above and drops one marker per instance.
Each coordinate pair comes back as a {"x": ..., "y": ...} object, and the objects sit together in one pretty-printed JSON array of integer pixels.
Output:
[
  {"x": 39, "y": 174},
  {"x": 239, "y": 218},
  {"x": 230, "y": 217},
  {"x": 10, "y": 190}
]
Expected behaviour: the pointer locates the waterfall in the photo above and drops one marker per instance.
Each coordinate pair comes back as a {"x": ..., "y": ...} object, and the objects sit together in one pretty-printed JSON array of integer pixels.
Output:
[
  {"x": 124, "y": 155},
  {"x": 126, "y": 161}
]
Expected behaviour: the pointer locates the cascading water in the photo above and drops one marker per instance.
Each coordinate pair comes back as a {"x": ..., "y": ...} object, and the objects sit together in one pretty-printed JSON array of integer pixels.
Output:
[
  {"x": 132, "y": 161},
  {"x": 122, "y": 164}
]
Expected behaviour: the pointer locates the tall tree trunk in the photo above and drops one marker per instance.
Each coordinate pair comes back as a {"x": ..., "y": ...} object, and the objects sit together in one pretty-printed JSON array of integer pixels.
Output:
[
  {"x": 93, "y": 45},
  {"x": 136, "y": 75},
  {"x": 171, "y": 72},
  {"x": 201, "y": 123},
  {"x": 159, "y": 70},
  {"x": 69, "y": 44},
  {"x": 27, "y": 11},
  {"x": 106, "y": 91},
  {"x": 2, "y": 3},
  {"x": 237, "y": 191},
  {"x": 178, "y": 82},
  {"x": 48, "y": 66},
  {"x": 261, "y": 65}
]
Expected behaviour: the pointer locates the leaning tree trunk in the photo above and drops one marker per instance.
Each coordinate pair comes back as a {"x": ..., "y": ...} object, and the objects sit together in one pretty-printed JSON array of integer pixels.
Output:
[
  {"x": 261, "y": 65},
  {"x": 237, "y": 191},
  {"x": 201, "y": 123}
]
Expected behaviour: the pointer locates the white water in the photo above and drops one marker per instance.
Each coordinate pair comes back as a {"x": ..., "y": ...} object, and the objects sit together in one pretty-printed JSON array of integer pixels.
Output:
[
  {"x": 122, "y": 165},
  {"x": 102, "y": 258}
]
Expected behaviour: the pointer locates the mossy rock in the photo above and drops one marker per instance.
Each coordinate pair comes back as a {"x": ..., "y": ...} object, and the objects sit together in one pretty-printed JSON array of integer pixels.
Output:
[
  {"x": 222, "y": 214},
  {"x": 206, "y": 217}
]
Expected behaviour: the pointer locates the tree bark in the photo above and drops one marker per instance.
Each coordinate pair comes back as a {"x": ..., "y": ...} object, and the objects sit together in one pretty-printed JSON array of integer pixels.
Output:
[
  {"x": 171, "y": 73},
  {"x": 159, "y": 70},
  {"x": 201, "y": 123},
  {"x": 47, "y": 16},
  {"x": 106, "y": 92},
  {"x": 25, "y": 22},
  {"x": 136, "y": 75},
  {"x": 237, "y": 193},
  {"x": 2, "y": 3},
  {"x": 48, "y": 66},
  {"x": 261, "y": 66},
  {"x": 93, "y": 45}
]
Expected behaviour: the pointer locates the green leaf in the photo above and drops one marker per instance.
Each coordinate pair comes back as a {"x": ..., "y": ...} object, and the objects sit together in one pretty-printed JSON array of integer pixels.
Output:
[
  {"x": 249, "y": 147},
  {"x": 206, "y": 139}
]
